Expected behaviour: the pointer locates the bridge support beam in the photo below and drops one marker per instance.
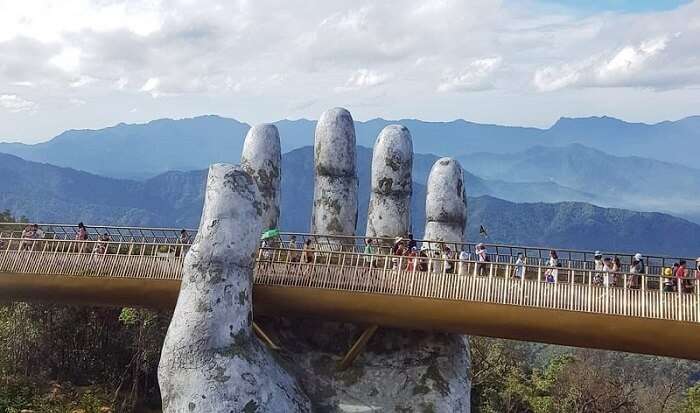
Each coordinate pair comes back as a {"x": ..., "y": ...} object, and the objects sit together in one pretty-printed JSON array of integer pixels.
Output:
[
  {"x": 265, "y": 338},
  {"x": 357, "y": 348}
]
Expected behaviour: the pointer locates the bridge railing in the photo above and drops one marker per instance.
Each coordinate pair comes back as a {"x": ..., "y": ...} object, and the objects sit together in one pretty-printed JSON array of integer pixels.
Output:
[
  {"x": 115, "y": 233},
  {"x": 162, "y": 260},
  {"x": 624, "y": 294},
  {"x": 569, "y": 258}
]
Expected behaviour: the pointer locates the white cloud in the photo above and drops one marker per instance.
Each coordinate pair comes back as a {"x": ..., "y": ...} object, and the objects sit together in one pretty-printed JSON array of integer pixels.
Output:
[
  {"x": 632, "y": 58},
  {"x": 551, "y": 78},
  {"x": 651, "y": 64},
  {"x": 14, "y": 104},
  {"x": 49, "y": 20},
  {"x": 151, "y": 86},
  {"x": 256, "y": 60},
  {"x": 363, "y": 78},
  {"x": 67, "y": 60},
  {"x": 478, "y": 75}
]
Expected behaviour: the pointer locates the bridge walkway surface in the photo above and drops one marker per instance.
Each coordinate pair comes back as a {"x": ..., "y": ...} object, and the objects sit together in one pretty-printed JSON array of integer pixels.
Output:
[{"x": 332, "y": 279}]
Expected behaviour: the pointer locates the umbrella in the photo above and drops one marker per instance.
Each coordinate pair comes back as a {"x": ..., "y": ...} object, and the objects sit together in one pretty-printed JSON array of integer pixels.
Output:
[{"x": 270, "y": 233}]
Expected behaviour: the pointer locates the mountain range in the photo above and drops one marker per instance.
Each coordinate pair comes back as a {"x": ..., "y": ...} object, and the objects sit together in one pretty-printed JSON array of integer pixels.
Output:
[
  {"x": 145, "y": 150},
  {"x": 44, "y": 192}
]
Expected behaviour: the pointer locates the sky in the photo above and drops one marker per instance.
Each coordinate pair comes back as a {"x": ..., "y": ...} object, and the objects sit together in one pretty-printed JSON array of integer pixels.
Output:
[{"x": 74, "y": 64}]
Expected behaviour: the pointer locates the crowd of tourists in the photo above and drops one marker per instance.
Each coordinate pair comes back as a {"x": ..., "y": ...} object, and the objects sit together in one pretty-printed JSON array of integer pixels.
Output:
[
  {"x": 405, "y": 254},
  {"x": 32, "y": 234}
]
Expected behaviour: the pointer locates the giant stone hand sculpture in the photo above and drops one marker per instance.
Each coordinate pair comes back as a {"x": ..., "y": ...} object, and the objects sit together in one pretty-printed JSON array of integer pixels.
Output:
[
  {"x": 389, "y": 212},
  {"x": 211, "y": 361},
  {"x": 262, "y": 159},
  {"x": 335, "y": 179}
]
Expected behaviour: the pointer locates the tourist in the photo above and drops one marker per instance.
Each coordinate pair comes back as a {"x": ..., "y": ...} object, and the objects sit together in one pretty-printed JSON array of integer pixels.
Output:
[
  {"x": 81, "y": 234},
  {"x": 38, "y": 232},
  {"x": 463, "y": 262},
  {"x": 368, "y": 252},
  {"x": 682, "y": 280},
  {"x": 636, "y": 269},
  {"x": 616, "y": 269},
  {"x": 447, "y": 259},
  {"x": 28, "y": 233},
  {"x": 266, "y": 250},
  {"x": 411, "y": 242},
  {"x": 423, "y": 259},
  {"x": 101, "y": 246},
  {"x": 185, "y": 240},
  {"x": 482, "y": 258},
  {"x": 520, "y": 266},
  {"x": 292, "y": 249},
  {"x": 307, "y": 253},
  {"x": 552, "y": 272},
  {"x": 669, "y": 275},
  {"x": 184, "y": 237},
  {"x": 607, "y": 271},
  {"x": 412, "y": 256},
  {"x": 598, "y": 267},
  {"x": 396, "y": 252}
]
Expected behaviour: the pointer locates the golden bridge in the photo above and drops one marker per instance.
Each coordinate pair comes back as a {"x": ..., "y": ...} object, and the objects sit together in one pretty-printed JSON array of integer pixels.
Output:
[{"x": 332, "y": 278}]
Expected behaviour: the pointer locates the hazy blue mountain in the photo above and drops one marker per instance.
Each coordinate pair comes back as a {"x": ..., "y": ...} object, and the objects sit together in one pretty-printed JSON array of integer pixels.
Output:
[
  {"x": 48, "y": 193},
  {"x": 141, "y": 150},
  {"x": 620, "y": 181},
  {"x": 144, "y": 150}
]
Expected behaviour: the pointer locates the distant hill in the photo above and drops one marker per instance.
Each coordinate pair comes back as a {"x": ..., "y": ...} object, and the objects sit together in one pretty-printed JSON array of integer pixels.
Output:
[
  {"x": 621, "y": 181},
  {"x": 145, "y": 150},
  {"x": 48, "y": 193}
]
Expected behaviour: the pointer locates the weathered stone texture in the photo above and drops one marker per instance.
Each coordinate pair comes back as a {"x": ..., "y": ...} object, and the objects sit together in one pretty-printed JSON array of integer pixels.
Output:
[
  {"x": 399, "y": 371},
  {"x": 262, "y": 159},
  {"x": 335, "y": 181},
  {"x": 389, "y": 212},
  {"x": 445, "y": 202},
  {"x": 211, "y": 361}
]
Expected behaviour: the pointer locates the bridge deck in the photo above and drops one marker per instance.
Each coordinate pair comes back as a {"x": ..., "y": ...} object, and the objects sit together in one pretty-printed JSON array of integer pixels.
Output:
[{"x": 478, "y": 298}]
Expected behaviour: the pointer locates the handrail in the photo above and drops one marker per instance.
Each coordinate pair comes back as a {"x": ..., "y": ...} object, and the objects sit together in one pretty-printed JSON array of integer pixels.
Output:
[
  {"x": 383, "y": 244},
  {"x": 650, "y": 296},
  {"x": 538, "y": 252}
]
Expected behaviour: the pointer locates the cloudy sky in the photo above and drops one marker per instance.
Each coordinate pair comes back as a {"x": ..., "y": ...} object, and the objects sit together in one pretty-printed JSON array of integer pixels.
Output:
[{"x": 88, "y": 64}]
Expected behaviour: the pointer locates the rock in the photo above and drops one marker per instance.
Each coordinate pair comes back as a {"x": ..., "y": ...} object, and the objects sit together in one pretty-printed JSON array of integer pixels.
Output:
[
  {"x": 211, "y": 361},
  {"x": 445, "y": 202},
  {"x": 389, "y": 212},
  {"x": 262, "y": 159},
  {"x": 335, "y": 180},
  {"x": 399, "y": 371}
]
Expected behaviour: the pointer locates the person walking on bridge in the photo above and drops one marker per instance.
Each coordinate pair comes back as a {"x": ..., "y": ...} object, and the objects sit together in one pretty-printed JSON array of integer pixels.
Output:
[
  {"x": 81, "y": 235},
  {"x": 368, "y": 253},
  {"x": 598, "y": 267},
  {"x": 482, "y": 258},
  {"x": 520, "y": 266},
  {"x": 552, "y": 272},
  {"x": 636, "y": 269}
]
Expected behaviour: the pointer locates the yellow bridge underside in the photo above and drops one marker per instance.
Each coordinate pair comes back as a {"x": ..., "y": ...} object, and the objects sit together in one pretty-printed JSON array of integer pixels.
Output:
[{"x": 574, "y": 328}]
